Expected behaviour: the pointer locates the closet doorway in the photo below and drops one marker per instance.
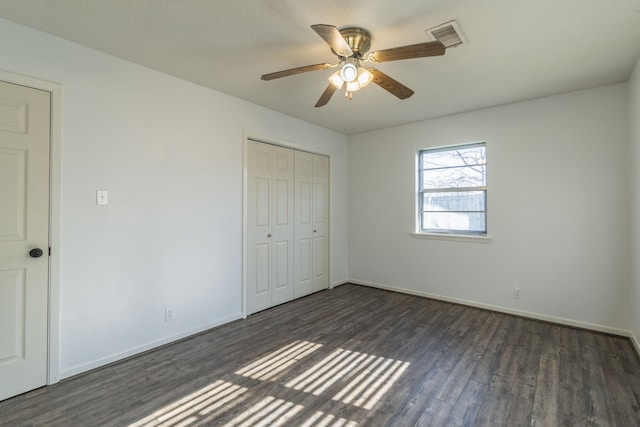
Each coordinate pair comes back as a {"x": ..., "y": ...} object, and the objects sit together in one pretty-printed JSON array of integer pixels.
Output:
[{"x": 286, "y": 217}]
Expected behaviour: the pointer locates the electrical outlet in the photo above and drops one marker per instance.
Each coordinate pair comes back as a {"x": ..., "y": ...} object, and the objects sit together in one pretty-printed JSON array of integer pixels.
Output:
[
  {"x": 168, "y": 314},
  {"x": 102, "y": 197},
  {"x": 517, "y": 293}
]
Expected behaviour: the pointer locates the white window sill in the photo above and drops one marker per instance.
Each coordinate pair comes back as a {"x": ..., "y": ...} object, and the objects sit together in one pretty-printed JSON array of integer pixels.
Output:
[{"x": 453, "y": 237}]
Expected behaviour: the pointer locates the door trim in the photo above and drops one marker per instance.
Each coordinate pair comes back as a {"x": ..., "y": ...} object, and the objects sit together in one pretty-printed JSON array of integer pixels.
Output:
[
  {"x": 55, "y": 175},
  {"x": 249, "y": 135}
]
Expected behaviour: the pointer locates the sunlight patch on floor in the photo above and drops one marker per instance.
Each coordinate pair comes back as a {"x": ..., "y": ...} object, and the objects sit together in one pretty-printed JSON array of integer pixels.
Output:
[
  {"x": 376, "y": 376},
  {"x": 191, "y": 407},
  {"x": 332, "y": 368},
  {"x": 276, "y": 362},
  {"x": 353, "y": 378},
  {"x": 373, "y": 383},
  {"x": 270, "y": 411}
]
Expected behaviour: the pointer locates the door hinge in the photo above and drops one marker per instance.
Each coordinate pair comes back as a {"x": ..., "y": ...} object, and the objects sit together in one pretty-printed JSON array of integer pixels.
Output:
[{"x": 49, "y": 250}]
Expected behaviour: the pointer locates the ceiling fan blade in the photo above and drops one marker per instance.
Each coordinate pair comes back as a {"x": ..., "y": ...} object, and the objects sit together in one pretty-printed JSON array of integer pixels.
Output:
[
  {"x": 393, "y": 86},
  {"x": 332, "y": 35},
  {"x": 292, "y": 71},
  {"x": 419, "y": 50},
  {"x": 326, "y": 95}
]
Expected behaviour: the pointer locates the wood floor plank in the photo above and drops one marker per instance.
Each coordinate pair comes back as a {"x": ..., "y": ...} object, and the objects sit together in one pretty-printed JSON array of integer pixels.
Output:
[
  {"x": 596, "y": 393},
  {"x": 572, "y": 383},
  {"x": 620, "y": 390},
  {"x": 523, "y": 388},
  {"x": 545, "y": 405},
  {"x": 467, "y": 406},
  {"x": 357, "y": 356}
]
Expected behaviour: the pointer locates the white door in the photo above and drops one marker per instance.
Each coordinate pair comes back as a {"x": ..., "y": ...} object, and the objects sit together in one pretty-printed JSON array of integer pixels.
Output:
[
  {"x": 304, "y": 223},
  {"x": 282, "y": 225},
  {"x": 320, "y": 222},
  {"x": 269, "y": 226},
  {"x": 258, "y": 227},
  {"x": 24, "y": 228}
]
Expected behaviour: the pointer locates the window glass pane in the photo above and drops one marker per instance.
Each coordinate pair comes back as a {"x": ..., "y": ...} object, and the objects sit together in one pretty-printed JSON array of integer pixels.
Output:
[
  {"x": 466, "y": 176},
  {"x": 454, "y": 221},
  {"x": 442, "y": 173},
  {"x": 463, "y": 156},
  {"x": 467, "y": 201}
]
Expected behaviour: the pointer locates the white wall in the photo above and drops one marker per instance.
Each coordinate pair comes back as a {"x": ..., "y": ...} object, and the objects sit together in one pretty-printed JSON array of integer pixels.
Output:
[
  {"x": 557, "y": 204},
  {"x": 170, "y": 155},
  {"x": 634, "y": 116}
]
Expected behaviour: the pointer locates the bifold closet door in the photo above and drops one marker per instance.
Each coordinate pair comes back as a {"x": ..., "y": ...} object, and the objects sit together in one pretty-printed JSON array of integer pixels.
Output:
[
  {"x": 320, "y": 222},
  {"x": 312, "y": 223},
  {"x": 270, "y": 227},
  {"x": 304, "y": 223}
]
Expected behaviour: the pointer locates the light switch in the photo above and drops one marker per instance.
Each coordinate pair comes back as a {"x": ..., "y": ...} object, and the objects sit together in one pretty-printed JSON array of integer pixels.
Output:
[{"x": 102, "y": 197}]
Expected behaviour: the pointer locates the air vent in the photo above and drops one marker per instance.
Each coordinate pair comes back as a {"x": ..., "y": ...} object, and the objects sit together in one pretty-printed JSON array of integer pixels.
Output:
[{"x": 448, "y": 33}]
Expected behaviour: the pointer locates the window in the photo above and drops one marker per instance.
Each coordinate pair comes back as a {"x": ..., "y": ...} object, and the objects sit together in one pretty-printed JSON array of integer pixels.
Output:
[{"x": 452, "y": 190}]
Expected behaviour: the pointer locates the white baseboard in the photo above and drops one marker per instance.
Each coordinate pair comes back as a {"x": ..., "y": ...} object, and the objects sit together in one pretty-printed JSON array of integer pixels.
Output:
[
  {"x": 522, "y": 313},
  {"x": 84, "y": 367},
  {"x": 335, "y": 285}
]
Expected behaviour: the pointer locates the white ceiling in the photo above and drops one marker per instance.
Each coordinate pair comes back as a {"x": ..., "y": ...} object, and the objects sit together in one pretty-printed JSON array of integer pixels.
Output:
[{"x": 517, "y": 49}]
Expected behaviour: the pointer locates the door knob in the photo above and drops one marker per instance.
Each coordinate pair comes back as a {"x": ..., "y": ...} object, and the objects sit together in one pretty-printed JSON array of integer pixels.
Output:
[
  {"x": 314, "y": 231},
  {"x": 268, "y": 235},
  {"x": 35, "y": 253}
]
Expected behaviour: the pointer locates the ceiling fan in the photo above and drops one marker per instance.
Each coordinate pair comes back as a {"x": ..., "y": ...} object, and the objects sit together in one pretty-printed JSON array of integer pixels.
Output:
[{"x": 351, "y": 46}]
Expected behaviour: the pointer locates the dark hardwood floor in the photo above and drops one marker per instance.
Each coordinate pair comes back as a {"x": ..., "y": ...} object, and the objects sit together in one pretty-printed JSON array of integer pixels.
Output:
[{"x": 357, "y": 356}]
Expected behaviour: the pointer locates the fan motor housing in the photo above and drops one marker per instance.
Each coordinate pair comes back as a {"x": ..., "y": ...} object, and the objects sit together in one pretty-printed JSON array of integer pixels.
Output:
[{"x": 358, "y": 39}]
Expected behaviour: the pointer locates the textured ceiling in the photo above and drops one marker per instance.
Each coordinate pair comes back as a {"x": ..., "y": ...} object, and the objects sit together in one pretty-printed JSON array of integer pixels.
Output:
[{"x": 517, "y": 49}]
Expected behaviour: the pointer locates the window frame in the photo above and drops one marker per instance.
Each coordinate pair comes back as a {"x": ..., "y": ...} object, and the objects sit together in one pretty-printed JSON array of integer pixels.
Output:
[{"x": 449, "y": 234}]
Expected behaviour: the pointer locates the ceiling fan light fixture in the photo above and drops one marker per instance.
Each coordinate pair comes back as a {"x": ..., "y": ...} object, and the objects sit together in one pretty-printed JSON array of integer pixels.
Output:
[
  {"x": 364, "y": 76},
  {"x": 336, "y": 80},
  {"x": 353, "y": 86},
  {"x": 349, "y": 72}
]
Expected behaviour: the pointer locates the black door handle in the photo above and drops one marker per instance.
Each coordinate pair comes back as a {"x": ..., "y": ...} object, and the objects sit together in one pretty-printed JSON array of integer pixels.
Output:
[{"x": 35, "y": 253}]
